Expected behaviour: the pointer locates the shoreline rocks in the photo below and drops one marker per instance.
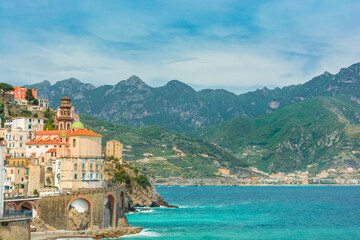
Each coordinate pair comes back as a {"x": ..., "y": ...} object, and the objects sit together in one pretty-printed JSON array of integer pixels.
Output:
[
  {"x": 145, "y": 209},
  {"x": 117, "y": 232},
  {"x": 138, "y": 196}
]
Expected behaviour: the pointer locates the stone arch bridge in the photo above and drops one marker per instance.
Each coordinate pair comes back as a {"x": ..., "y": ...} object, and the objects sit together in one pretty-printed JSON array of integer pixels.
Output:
[{"x": 79, "y": 210}]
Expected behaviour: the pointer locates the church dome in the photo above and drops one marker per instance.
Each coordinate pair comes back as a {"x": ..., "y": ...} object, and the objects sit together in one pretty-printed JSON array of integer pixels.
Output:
[
  {"x": 77, "y": 124},
  {"x": 63, "y": 134}
]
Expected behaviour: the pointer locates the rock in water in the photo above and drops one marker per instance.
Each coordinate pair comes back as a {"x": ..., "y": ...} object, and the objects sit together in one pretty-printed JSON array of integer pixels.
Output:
[{"x": 122, "y": 222}]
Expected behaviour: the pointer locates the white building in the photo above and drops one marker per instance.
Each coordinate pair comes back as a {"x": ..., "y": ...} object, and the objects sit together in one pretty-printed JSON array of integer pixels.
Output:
[
  {"x": 26, "y": 124},
  {"x": 18, "y": 132},
  {"x": 15, "y": 142},
  {"x": 43, "y": 102}
]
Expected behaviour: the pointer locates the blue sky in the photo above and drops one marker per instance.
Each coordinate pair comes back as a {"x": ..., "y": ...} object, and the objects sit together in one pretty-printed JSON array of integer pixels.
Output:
[{"x": 236, "y": 45}]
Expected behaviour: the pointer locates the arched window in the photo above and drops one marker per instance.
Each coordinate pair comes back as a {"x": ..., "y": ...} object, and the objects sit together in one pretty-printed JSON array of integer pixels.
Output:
[{"x": 74, "y": 142}]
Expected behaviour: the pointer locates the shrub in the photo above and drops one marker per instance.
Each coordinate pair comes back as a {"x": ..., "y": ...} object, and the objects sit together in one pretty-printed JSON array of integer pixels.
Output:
[
  {"x": 49, "y": 126},
  {"x": 48, "y": 180},
  {"x": 143, "y": 181},
  {"x": 119, "y": 166},
  {"x": 36, "y": 115},
  {"x": 122, "y": 177},
  {"x": 36, "y": 192},
  {"x": 136, "y": 171},
  {"x": 26, "y": 113}
]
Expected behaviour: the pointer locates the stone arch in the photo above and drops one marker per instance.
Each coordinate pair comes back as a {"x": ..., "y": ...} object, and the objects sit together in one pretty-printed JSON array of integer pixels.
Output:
[
  {"x": 10, "y": 206},
  {"x": 61, "y": 126},
  {"x": 123, "y": 203},
  {"x": 68, "y": 126},
  {"x": 109, "y": 211},
  {"x": 29, "y": 205},
  {"x": 79, "y": 213}
]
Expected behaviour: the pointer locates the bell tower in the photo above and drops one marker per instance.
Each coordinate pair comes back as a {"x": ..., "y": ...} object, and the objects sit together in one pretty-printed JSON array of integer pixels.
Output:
[{"x": 64, "y": 114}]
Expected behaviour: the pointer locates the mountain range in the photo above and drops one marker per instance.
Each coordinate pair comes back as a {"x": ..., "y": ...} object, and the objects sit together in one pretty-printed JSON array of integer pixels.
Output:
[
  {"x": 310, "y": 126},
  {"x": 178, "y": 107},
  {"x": 315, "y": 134}
]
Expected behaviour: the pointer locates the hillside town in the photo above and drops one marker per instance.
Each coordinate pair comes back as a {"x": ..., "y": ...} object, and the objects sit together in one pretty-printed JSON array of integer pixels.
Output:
[
  {"x": 67, "y": 158},
  {"x": 54, "y": 157}
]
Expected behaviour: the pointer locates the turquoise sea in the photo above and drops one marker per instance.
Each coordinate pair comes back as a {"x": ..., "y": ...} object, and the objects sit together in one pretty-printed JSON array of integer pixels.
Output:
[{"x": 294, "y": 212}]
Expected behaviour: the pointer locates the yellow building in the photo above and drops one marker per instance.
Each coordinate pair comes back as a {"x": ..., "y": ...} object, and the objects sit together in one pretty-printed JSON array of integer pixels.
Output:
[
  {"x": 114, "y": 148},
  {"x": 18, "y": 162}
]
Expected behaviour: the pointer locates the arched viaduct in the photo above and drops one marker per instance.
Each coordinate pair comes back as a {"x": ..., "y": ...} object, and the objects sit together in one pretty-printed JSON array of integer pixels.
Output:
[{"x": 101, "y": 207}]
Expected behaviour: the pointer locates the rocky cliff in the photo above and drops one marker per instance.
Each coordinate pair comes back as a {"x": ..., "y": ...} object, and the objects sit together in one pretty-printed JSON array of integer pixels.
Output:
[{"x": 138, "y": 196}]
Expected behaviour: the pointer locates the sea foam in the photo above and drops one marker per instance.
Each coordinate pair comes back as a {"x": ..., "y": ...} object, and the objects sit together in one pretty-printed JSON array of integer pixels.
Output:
[{"x": 143, "y": 233}]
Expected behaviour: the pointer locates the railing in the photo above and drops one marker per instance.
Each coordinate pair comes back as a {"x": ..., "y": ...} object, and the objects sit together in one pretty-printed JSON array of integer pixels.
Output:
[{"x": 16, "y": 214}]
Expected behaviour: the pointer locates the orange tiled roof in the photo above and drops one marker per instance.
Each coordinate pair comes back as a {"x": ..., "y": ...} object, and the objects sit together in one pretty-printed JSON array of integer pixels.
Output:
[
  {"x": 51, "y": 132},
  {"x": 45, "y": 141},
  {"x": 84, "y": 132},
  {"x": 48, "y": 132},
  {"x": 52, "y": 150}
]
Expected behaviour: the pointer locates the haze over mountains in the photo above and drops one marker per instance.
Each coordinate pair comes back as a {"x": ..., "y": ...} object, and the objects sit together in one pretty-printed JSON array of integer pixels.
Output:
[{"x": 176, "y": 106}]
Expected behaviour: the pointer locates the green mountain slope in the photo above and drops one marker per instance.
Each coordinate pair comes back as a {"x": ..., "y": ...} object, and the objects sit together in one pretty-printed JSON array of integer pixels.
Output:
[
  {"x": 320, "y": 131},
  {"x": 160, "y": 153},
  {"x": 176, "y": 106}
]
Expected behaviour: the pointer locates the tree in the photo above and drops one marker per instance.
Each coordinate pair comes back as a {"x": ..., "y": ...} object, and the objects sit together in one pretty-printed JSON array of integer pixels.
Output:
[
  {"x": 35, "y": 102},
  {"x": 29, "y": 95},
  {"x": 48, "y": 180},
  {"x": 4, "y": 87},
  {"x": 35, "y": 192}
]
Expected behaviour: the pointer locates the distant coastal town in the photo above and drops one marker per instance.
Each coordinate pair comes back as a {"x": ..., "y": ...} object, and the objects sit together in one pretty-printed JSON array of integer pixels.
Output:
[{"x": 348, "y": 176}]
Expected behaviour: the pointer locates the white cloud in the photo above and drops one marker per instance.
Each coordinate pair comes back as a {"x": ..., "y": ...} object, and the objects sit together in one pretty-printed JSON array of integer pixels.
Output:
[{"x": 287, "y": 42}]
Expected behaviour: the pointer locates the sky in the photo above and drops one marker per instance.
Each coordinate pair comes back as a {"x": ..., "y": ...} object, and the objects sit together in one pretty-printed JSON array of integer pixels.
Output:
[{"x": 236, "y": 45}]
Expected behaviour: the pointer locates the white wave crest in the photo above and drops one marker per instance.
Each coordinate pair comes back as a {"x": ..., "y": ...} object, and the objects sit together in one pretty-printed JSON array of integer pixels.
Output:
[
  {"x": 143, "y": 233},
  {"x": 147, "y": 211}
]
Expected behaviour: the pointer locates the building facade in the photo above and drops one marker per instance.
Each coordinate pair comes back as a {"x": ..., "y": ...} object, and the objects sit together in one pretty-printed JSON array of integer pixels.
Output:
[
  {"x": 20, "y": 93},
  {"x": 114, "y": 148},
  {"x": 44, "y": 102},
  {"x": 18, "y": 132},
  {"x": 16, "y": 176},
  {"x": 79, "y": 159}
]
